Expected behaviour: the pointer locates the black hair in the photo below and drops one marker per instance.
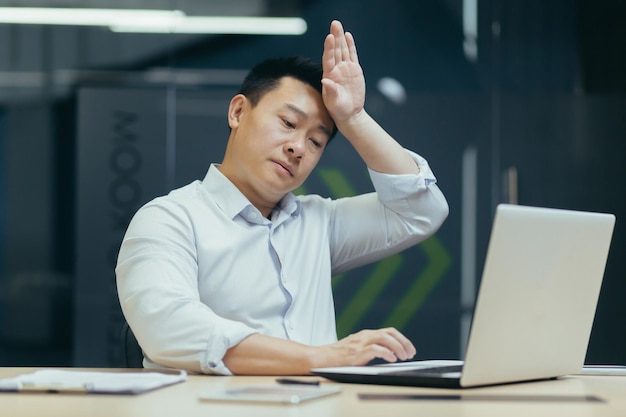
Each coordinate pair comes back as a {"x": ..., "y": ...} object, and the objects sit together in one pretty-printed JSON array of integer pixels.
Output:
[{"x": 266, "y": 75}]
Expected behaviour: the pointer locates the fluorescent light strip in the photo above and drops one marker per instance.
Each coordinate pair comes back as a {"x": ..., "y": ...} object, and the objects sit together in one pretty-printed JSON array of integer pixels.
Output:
[
  {"x": 152, "y": 21},
  {"x": 222, "y": 25},
  {"x": 85, "y": 17}
]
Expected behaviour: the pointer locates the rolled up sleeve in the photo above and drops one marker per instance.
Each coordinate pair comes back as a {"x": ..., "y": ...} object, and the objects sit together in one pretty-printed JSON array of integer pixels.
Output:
[
  {"x": 157, "y": 286},
  {"x": 404, "y": 211},
  {"x": 413, "y": 196}
]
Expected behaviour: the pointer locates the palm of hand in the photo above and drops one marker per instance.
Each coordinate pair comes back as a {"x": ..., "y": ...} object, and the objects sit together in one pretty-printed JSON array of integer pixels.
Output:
[{"x": 344, "y": 90}]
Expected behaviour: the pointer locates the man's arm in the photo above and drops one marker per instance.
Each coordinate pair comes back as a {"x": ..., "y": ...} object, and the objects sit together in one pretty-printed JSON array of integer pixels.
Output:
[
  {"x": 265, "y": 355},
  {"x": 344, "y": 97}
]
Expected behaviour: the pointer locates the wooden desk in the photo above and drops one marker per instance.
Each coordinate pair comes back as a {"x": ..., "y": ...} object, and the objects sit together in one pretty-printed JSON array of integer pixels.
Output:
[{"x": 181, "y": 400}]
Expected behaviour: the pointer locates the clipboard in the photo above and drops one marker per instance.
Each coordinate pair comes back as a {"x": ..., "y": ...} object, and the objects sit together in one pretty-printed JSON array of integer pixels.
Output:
[{"x": 57, "y": 381}]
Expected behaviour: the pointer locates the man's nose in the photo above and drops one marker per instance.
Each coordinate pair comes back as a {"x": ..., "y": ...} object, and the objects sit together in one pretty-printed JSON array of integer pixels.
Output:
[{"x": 296, "y": 146}]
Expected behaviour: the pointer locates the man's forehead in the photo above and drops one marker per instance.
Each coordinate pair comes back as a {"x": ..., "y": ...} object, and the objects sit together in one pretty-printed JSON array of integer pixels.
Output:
[
  {"x": 324, "y": 117},
  {"x": 292, "y": 94}
]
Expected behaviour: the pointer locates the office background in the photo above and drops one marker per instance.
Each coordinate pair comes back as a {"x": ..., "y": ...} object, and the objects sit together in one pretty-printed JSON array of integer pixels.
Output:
[{"x": 510, "y": 101}]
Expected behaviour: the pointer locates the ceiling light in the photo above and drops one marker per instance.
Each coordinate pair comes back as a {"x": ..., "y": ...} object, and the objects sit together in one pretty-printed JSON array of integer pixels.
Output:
[
  {"x": 221, "y": 25},
  {"x": 152, "y": 21},
  {"x": 85, "y": 17}
]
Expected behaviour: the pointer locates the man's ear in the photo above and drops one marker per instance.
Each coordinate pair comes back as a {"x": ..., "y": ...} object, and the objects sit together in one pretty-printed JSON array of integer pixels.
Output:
[{"x": 235, "y": 109}]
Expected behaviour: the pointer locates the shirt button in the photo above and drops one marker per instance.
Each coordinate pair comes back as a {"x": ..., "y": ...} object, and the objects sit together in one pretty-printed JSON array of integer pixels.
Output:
[{"x": 253, "y": 215}]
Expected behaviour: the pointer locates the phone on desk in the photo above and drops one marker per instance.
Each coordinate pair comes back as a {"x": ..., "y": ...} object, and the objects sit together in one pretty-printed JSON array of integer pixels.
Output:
[{"x": 283, "y": 394}]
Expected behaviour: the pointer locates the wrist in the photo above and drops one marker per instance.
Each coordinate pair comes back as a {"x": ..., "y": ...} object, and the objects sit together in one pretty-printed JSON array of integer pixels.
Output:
[
  {"x": 312, "y": 358},
  {"x": 354, "y": 125}
]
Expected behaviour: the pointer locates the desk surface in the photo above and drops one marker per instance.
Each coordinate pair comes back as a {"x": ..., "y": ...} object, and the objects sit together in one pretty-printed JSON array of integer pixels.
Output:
[{"x": 182, "y": 400}]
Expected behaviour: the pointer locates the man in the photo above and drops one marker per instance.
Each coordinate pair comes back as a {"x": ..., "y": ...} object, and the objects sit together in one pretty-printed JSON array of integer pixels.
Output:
[{"x": 232, "y": 274}]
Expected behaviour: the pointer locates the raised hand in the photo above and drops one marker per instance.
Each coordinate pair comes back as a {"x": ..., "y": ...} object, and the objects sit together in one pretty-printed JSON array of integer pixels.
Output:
[{"x": 343, "y": 84}]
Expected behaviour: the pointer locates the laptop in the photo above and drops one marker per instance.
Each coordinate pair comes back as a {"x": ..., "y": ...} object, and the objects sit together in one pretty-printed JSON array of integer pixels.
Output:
[{"x": 534, "y": 310}]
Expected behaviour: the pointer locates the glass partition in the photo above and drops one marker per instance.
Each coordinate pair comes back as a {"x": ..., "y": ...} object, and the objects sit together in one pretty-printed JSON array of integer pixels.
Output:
[{"x": 510, "y": 101}]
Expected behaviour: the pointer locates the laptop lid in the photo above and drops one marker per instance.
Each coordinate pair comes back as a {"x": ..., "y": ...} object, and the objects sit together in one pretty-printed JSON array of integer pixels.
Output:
[
  {"x": 538, "y": 294},
  {"x": 535, "y": 308}
]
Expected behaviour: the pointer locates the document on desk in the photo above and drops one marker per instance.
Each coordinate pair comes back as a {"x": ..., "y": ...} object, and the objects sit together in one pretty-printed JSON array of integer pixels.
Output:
[
  {"x": 90, "y": 382},
  {"x": 294, "y": 394}
]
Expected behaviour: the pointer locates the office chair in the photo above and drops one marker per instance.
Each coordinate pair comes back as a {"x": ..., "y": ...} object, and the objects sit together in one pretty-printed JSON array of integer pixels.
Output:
[{"x": 132, "y": 353}]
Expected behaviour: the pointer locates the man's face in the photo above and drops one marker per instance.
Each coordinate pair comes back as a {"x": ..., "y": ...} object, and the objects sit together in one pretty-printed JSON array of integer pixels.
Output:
[{"x": 275, "y": 145}]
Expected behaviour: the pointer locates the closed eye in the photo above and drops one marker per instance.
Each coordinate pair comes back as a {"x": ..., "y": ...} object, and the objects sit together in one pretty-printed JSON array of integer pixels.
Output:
[
  {"x": 289, "y": 124},
  {"x": 316, "y": 143}
]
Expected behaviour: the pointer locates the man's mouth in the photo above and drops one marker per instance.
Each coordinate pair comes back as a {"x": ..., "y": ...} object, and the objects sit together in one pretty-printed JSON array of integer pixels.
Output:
[{"x": 286, "y": 167}]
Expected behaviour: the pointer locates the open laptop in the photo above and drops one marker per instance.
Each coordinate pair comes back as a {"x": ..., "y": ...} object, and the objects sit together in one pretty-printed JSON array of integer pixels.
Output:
[{"x": 535, "y": 306}]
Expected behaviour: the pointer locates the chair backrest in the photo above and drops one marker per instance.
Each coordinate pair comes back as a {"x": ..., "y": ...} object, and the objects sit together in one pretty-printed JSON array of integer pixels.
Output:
[{"x": 132, "y": 353}]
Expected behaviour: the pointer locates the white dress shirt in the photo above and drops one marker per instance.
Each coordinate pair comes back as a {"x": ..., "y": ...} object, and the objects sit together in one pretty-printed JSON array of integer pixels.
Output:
[{"x": 201, "y": 269}]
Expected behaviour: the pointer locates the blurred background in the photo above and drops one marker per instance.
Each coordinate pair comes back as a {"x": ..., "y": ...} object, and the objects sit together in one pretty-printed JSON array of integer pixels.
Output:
[{"x": 518, "y": 101}]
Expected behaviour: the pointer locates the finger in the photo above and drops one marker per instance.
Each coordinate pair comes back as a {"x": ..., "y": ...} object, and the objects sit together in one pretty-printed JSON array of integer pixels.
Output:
[
  {"x": 407, "y": 345},
  {"x": 396, "y": 342},
  {"x": 343, "y": 45},
  {"x": 352, "y": 48},
  {"x": 341, "y": 48},
  {"x": 381, "y": 352},
  {"x": 392, "y": 341},
  {"x": 328, "y": 57}
]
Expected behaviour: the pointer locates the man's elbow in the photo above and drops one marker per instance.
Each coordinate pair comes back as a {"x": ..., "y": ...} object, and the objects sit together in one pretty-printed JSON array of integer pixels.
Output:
[
  {"x": 428, "y": 226},
  {"x": 441, "y": 214},
  {"x": 438, "y": 212}
]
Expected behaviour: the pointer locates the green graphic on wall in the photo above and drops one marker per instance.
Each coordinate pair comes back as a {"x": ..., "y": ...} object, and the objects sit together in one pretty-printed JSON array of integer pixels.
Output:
[{"x": 406, "y": 306}]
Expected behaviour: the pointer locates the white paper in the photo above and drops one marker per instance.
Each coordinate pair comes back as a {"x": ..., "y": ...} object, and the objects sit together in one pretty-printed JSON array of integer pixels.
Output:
[{"x": 56, "y": 380}]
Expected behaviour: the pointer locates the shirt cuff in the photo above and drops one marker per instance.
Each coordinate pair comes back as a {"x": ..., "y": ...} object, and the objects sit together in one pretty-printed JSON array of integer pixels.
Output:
[
  {"x": 213, "y": 362},
  {"x": 390, "y": 187}
]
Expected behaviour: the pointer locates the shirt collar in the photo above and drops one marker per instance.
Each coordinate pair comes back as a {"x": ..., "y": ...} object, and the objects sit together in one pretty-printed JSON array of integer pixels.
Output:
[
  {"x": 233, "y": 203},
  {"x": 288, "y": 206}
]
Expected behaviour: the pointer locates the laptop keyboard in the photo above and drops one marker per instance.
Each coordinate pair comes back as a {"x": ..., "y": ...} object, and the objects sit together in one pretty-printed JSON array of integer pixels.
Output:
[{"x": 435, "y": 371}]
